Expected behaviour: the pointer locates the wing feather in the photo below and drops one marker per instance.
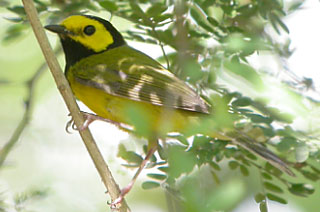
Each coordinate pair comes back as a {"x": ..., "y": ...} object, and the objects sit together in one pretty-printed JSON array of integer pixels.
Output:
[{"x": 139, "y": 78}]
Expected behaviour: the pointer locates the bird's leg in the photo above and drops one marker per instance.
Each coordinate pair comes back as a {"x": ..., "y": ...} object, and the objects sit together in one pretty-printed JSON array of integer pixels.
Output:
[
  {"x": 152, "y": 148},
  {"x": 89, "y": 118}
]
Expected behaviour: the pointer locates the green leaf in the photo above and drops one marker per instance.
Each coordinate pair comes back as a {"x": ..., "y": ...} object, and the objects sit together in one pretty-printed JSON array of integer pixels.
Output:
[
  {"x": 162, "y": 153},
  {"x": 282, "y": 25},
  {"x": 156, "y": 9},
  {"x": 161, "y": 18},
  {"x": 230, "y": 152},
  {"x": 149, "y": 40},
  {"x": 272, "y": 187},
  {"x": 192, "y": 71},
  {"x": 135, "y": 36},
  {"x": 213, "y": 21},
  {"x": 316, "y": 170},
  {"x": 200, "y": 141},
  {"x": 233, "y": 164},
  {"x": 150, "y": 185},
  {"x": 201, "y": 21},
  {"x": 14, "y": 19},
  {"x": 275, "y": 21},
  {"x": 294, "y": 6},
  {"x": 268, "y": 131},
  {"x": 132, "y": 157},
  {"x": 19, "y": 10},
  {"x": 215, "y": 166},
  {"x": 251, "y": 156},
  {"x": 256, "y": 118},
  {"x": 310, "y": 175},
  {"x": 259, "y": 197},
  {"x": 129, "y": 156},
  {"x": 266, "y": 176},
  {"x": 109, "y": 5},
  {"x": 180, "y": 162},
  {"x": 229, "y": 96},
  {"x": 182, "y": 139},
  {"x": 242, "y": 102},
  {"x": 286, "y": 144},
  {"x": 237, "y": 43},
  {"x": 163, "y": 168},
  {"x": 153, "y": 158},
  {"x": 274, "y": 113},
  {"x": 145, "y": 149},
  {"x": 215, "y": 177},
  {"x": 244, "y": 170},
  {"x": 40, "y": 6},
  {"x": 136, "y": 9},
  {"x": 263, "y": 207},
  {"x": 219, "y": 156},
  {"x": 286, "y": 132},
  {"x": 274, "y": 26},
  {"x": 245, "y": 72},
  {"x": 276, "y": 198},
  {"x": 301, "y": 189},
  {"x": 139, "y": 117},
  {"x": 234, "y": 29},
  {"x": 273, "y": 170},
  {"x": 40, "y": 3},
  {"x": 157, "y": 176}
]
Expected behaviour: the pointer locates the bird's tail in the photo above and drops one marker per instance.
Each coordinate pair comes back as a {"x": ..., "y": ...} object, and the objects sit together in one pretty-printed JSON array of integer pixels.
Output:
[{"x": 241, "y": 139}]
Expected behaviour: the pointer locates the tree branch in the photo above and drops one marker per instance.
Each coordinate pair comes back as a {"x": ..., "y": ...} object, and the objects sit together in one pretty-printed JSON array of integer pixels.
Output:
[
  {"x": 69, "y": 99},
  {"x": 5, "y": 150}
]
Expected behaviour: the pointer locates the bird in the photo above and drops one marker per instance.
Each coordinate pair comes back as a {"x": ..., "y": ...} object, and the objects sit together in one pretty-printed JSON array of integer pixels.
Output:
[{"x": 127, "y": 87}]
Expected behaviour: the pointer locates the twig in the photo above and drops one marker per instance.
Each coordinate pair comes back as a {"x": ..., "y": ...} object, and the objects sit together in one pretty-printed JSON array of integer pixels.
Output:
[
  {"x": 6, "y": 149},
  {"x": 69, "y": 99},
  {"x": 162, "y": 47}
]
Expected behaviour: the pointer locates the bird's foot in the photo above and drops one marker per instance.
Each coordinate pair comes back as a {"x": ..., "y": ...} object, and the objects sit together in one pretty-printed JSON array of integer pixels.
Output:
[{"x": 89, "y": 118}]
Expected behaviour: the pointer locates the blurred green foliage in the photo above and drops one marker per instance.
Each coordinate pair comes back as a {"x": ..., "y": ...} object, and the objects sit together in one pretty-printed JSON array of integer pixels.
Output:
[
  {"x": 211, "y": 42},
  {"x": 20, "y": 200}
]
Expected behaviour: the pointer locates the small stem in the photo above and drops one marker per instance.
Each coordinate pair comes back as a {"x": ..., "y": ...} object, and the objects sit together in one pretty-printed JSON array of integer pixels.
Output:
[{"x": 162, "y": 48}]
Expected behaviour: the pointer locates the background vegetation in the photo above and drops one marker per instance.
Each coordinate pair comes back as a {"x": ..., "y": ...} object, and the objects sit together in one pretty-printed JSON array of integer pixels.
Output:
[{"x": 214, "y": 46}]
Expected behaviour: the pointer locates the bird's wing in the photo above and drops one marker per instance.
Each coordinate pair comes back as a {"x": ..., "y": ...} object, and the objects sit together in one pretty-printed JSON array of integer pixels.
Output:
[{"x": 139, "y": 79}]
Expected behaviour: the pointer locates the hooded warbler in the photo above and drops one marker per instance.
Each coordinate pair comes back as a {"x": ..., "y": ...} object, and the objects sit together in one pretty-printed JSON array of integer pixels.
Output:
[
  {"x": 114, "y": 79},
  {"x": 111, "y": 78}
]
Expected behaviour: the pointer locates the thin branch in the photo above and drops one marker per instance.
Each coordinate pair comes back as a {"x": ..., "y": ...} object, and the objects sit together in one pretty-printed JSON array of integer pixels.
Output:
[
  {"x": 65, "y": 90},
  {"x": 6, "y": 149},
  {"x": 162, "y": 47}
]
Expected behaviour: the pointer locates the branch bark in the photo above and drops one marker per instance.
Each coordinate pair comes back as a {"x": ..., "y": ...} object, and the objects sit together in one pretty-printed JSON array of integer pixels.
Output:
[{"x": 65, "y": 90}]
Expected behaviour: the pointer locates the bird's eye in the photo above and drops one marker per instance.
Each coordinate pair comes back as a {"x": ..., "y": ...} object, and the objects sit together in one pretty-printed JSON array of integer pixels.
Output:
[{"x": 89, "y": 30}]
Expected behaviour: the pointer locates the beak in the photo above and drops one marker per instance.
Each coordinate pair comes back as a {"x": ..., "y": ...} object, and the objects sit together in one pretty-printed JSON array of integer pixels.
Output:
[{"x": 58, "y": 29}]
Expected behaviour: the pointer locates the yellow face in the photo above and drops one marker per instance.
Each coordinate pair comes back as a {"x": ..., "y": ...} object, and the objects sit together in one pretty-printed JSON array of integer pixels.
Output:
[{"x": 89, "y": 32}]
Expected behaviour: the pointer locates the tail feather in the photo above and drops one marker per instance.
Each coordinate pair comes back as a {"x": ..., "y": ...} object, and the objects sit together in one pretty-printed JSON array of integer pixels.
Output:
[{"x": 256, "y": 148}]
